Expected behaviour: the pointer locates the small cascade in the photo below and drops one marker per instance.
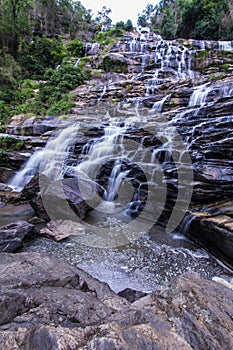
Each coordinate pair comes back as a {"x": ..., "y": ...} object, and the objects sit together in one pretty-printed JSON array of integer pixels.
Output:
[
  {"x": 145, "y": 62},
  {"x": 28, "y": 171},
  {"x": 172, "y": 61},
  {"x": 158, "y": 105},
  {"x": 103, "y": 92},
  {"x": 135, "y": 45},
  {"x": 199, "y": 95},
  {"x": 57, "y": 151},
  {"x": 225, "y": 90},
  {"x": 50, "y": 160},
  {"x": 225, "y": 45},
  {"x": 99, "y": 151},
  {"x": 77, "y": 62},
  {"x": 115, "y": 181},
  {"x": 91, "y": 48}
]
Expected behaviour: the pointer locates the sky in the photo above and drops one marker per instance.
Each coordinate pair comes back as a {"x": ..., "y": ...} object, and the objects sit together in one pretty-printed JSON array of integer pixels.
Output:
[{"x": 122, "y": 10}]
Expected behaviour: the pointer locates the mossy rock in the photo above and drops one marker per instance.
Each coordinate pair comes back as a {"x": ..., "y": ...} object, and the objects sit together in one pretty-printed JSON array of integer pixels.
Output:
[{"x": 113, "y": 65}]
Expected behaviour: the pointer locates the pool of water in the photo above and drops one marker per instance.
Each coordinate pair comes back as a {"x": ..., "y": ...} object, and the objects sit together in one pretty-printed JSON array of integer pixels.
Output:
[{"x": 144, "y": 264}]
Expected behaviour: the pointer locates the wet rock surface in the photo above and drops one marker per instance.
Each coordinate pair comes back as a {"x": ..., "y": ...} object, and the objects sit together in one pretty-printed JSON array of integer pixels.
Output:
[
  {"x": 46, "y": 303},
  {"x": 13, "y": 235}
]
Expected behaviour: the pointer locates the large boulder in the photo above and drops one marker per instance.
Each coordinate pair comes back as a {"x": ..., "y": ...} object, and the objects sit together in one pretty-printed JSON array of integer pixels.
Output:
[
  {"x": 49, "y": 304},
  {"x": 56, "y": 199},
  {"x": 13, "y": 235}
]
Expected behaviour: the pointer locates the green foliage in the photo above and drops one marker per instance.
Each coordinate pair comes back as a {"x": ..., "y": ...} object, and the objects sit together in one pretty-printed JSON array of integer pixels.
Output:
[
  {"x": 216, "y": 77},
  {"x": 10, "y": 144},
  {"x": 202, "y": 54},
  {"x": 14, "y": 23},
  {"x": 196, "y": 19},
  {"x": 9, "y": 71},
  {"x": 53, "y": 95},
  {"x": 112, "y": 65},
  {"x": 39, "y": 55},
  {"x": 76, "y": 48},
  {"x": 103, "y": 38},
  {"x": 128, "y": 26},
  {"x": 63, "y": 106}
]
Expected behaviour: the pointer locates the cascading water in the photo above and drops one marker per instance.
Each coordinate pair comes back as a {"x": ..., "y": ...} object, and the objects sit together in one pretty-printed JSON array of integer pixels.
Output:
[
  {"x": 103, "y": 92},
  {"x": 50, "y": 160},
  {"x": 225, "y": 45},
  {"x": 145, "y": 264},
  {"x": 199, "y": 95},
  {"x": 171, "y": 60},
  {"x": 158, "y": 106},
  {"x": 29, "y": 170}
]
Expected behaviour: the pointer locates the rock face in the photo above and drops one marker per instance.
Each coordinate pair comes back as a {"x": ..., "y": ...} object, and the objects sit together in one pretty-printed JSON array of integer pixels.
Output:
[
  {"x": 13, "y": 235},
  {"x": 48, "y": 304},
  {"x": 212, "y": 226}
]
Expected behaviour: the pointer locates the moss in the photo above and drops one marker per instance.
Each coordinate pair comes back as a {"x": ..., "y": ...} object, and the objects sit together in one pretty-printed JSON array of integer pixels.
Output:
[
  {"x": 216, "y": 77},
  {"x": 111, "y": 65},
  {"x": 202, "y": 54}
]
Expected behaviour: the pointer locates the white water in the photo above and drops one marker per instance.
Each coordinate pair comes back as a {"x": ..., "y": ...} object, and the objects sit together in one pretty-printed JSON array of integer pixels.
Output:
[
  {"x": 103, "y": 92},
  {"x": 50, "y": 160},
  {"x": 56, "y": 152},
  {"x": 199, "y": 95},
  {"x": 77, "y": 62},
  {"x": 172, "y": 61},
  {"x": 28, "y": 171},
  {"x": 158, "y": 105},
  {"x": 225, "y": 45}
]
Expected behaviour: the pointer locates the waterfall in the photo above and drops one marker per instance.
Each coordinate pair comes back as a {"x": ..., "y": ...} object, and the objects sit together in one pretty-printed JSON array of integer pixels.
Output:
[
  {"x": 199, "y": 95},
  {"x": 28, "y": 171},
  {"x": 225, "y": 45},
  {"x": 158, "y": 105},
  {"x": 77, "y": 62},
  {"x": 145, "y": 61},
  {"x": 100, "y": 150},
  {"x": 103, "y": 92},
  {"x": 49, "y": 160},
  {"x": 114, "y": 182},
  {"x": 56, "y": 152},
  {"x": 170, "y": 60},
  {"x": 91, "y": 48}
]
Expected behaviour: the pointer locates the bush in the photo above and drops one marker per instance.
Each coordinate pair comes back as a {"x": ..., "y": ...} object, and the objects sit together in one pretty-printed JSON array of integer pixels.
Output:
[
  {"x": 40, "y": 54},
  {"x": 62, "y": 107},
  {"x": 112, "y": 65},
  {"x": 76, "y": 48},
  {"x": 10, "y": 144}
]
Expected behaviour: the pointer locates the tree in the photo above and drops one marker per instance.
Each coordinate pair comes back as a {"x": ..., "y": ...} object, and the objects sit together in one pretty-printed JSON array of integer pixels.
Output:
[
  {"x": 129, "y": 26},
  {"x": 103, "y": 18},
  {"x": 14, "y": 23}
]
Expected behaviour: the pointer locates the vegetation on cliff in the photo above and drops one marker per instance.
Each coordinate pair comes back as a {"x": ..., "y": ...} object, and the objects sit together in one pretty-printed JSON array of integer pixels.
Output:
[
  {"x": 40, "y": 42},
  {"x": 205, "y": 19}
]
